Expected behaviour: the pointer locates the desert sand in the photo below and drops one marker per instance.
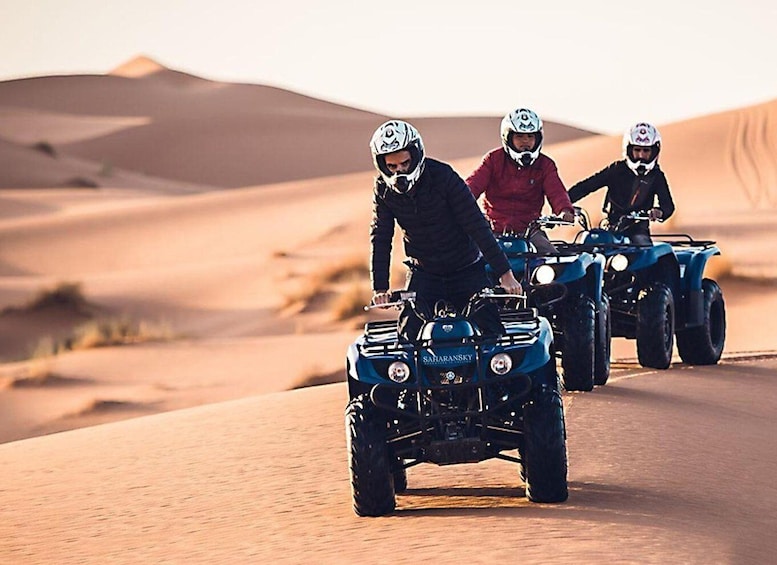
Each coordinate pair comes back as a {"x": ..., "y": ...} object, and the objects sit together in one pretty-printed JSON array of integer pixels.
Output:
[{"x": 197, "y": 210}]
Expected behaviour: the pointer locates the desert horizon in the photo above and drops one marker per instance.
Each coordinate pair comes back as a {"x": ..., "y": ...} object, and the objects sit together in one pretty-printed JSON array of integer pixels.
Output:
[{"x": 176, "y": 299}]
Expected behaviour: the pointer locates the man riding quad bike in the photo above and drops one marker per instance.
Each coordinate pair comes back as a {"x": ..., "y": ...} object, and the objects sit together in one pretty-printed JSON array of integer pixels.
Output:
[
  {"x": 657, "y": 291},
  {"x": 566, "y": 287},
  {"x": 456, "y": 395}
]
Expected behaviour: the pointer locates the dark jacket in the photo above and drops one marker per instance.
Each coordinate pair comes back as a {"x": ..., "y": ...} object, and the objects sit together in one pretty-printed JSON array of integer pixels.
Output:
[
  {"x": 514, "y": 196},
  {"x": 444, "y": 229},
  {"x": 626, "y": 191}
]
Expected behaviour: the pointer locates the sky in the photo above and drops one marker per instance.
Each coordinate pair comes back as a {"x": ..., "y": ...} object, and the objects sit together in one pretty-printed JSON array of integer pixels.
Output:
[{"x": 596, "y": 64}]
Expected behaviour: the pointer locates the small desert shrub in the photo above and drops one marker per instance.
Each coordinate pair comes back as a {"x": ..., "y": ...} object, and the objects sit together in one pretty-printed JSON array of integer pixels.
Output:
[
  {"x": 106, "y": 169},
  {"x": 104, "y": 333},
  {"x": 303, "y": 294},
  {"x": 320, "y": 281},
  {"x": 45, "y": 147},
  {"x": 314, "y": 377},
  {"x": 352, "y": 300},
  {"x": 347, "y": 269},
  {"x": 63, "y": 294},
  {"x": 81, "y": 182}
]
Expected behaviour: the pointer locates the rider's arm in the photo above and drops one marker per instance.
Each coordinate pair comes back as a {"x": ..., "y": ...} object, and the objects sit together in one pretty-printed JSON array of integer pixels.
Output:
[
  {"x": 554, "y": 190},
  {"x": 665, "y": 202},
  {"x": 480, "y": 178},
  {"x": 381, "y": 236},
  {"x": 592, "y": 183}
]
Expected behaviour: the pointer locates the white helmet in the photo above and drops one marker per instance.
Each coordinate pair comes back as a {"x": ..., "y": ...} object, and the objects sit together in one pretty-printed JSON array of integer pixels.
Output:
[
  {"x": 393, "y": 136},
  {"x": 641, "y": 135},
  {"x": 521, "y": 120}
]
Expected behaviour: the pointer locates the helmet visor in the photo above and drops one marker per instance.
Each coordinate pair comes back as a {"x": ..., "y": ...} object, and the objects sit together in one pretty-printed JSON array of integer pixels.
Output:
[{"x": 641, "y": 153}]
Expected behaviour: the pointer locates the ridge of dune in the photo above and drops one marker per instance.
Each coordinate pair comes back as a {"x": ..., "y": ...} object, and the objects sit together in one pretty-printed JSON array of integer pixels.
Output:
[
  {"x": 42, "y": 166},
  {"x": 244, "y": 134},
  {"x": 28, "y": 127},
  {"x": 141, "y": 65}
]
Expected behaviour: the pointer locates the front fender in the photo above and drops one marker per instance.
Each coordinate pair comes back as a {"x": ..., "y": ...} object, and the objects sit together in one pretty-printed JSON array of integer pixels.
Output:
[
  {"x": 692, "y": 264},
  {"x": 650, "y": 256}
]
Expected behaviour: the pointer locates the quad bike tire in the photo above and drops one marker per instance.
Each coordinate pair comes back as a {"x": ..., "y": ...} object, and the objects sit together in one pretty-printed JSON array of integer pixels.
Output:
[
  {"x": 703, "y": 345},
  {"x": 603, "y": 341},
  {"x": 400, "y": 479},
  {"x": 577, "y": 355},
  {"x": 369, "y": 459},
  {"x": 655, "y": 326},
  {"x": 544, "y": 461}
]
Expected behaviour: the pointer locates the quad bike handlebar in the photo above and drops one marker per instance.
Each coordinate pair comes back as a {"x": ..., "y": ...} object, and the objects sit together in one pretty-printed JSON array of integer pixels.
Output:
[
  {"x": 551, "y": 221},
  {"x": 631, "y": 218},
  {"x": 544, "y": 221},
  {"x": 400, "y": 298}
]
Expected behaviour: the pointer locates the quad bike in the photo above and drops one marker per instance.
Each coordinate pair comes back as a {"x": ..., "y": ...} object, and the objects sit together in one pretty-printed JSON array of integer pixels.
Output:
[
  {"x": 566, "y": 288},
  {"x": 454, "y": 396},
  {"x": 657, "y": 291}
]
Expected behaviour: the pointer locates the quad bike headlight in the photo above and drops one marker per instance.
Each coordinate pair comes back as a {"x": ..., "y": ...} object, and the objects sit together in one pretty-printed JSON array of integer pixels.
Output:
[
  {"x": 619, "y": 262},
  {"x": 544, "y": 274},
  {"x": 501, "y": 363},
  {"x": 398, "y": 372}
]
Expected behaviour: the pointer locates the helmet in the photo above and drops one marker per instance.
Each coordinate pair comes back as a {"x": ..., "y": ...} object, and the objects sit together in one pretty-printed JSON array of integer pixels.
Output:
[
  {"x": 641, "y": 135},
  {"x": 393, "y": 136},
  {"x": 521, "y": 120}
]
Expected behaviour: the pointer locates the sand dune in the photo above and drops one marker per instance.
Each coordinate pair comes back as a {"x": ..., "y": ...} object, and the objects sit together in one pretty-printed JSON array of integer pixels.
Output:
[
  {"x": 721, "y": 162},
  {"x": 227, "y": 135},
  {"x": 42, "y": 166},
  {"x": 217, "y": 208},
  {"x": 28, "y": 127}
]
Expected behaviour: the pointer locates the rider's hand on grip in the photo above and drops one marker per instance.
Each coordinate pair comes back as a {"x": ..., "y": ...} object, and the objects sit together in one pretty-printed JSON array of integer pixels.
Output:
[
  {"x": 508, "y": 282},
  {"x": 381, "y": 297},
  {"x": 568, "y": 216},
  {"x": 656, "y": 215}
]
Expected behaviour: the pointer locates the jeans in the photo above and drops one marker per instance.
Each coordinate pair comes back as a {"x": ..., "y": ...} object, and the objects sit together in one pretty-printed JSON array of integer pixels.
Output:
[{"x": 456, "y": 288}]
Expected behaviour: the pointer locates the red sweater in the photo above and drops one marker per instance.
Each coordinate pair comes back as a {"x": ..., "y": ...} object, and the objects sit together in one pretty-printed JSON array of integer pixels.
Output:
[{"x": 514, "y": 195}]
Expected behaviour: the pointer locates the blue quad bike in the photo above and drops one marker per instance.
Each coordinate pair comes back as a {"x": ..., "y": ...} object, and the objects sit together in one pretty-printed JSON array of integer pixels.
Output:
[
  {"x": 567, "y": 288},
  {"x": 454, "y": 396},
  {"x": 658, "y": 292}
]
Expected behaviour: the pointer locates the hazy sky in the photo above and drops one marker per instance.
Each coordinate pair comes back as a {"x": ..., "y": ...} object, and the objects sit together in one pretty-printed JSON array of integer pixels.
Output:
[{"x": 600, "y": 64}]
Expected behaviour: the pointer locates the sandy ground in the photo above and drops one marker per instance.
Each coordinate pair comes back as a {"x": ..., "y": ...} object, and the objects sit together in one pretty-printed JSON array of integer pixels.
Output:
[{"x": 663, "y": 469}]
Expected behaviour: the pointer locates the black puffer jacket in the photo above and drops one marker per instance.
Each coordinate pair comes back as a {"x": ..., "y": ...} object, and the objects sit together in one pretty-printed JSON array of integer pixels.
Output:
[
  {"x": 444, "y": 229},
  {"x": 626, "y": 191}
]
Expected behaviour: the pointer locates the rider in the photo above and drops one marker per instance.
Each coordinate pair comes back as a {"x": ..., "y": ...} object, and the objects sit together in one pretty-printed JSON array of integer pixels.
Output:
[
  {"x": 634, "y": 183},
  {"x": 516, "y": 178},
  {"x": 446, "y": 237}
]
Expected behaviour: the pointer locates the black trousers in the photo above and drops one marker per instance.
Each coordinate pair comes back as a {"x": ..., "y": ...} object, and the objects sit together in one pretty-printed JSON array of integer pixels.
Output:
[
  {"x": 639, "y": 234},
  {"x": 456, "y": 288}
]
